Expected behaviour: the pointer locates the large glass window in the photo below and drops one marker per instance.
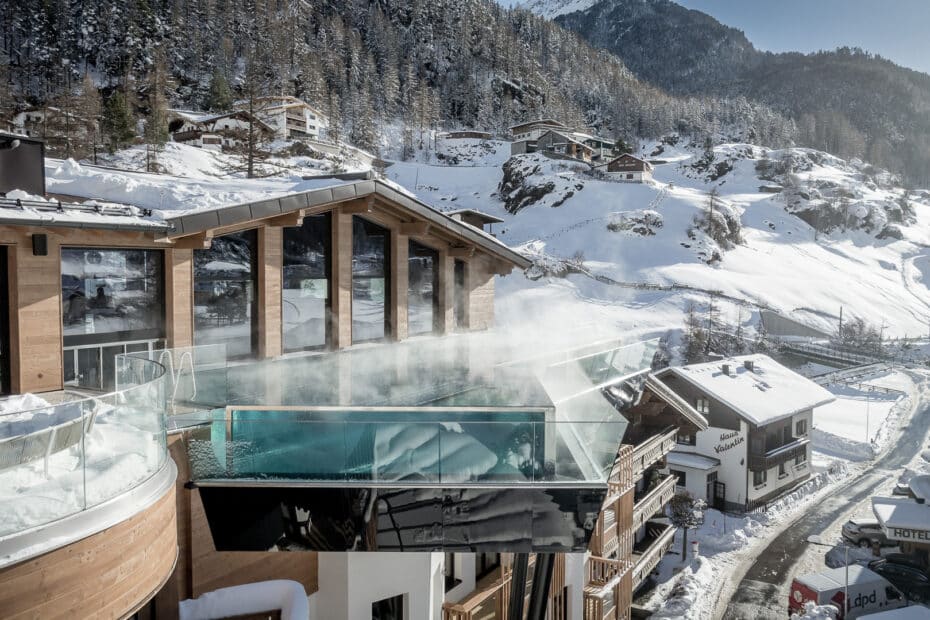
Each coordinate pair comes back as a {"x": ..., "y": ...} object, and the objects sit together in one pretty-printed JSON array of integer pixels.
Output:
[
  {"x": 422, "y": 289},
  {"x": 110, "y": 297},
  {"x": 306, "y": 290},
  {"x": 371, "y": 285},
  {"x": 226, "y": 294}
]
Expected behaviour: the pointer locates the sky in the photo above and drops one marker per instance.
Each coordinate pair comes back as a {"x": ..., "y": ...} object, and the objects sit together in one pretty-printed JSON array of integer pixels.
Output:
[
  {"x": 896, "y": 29},
  {"x": 899, "y": 30}
]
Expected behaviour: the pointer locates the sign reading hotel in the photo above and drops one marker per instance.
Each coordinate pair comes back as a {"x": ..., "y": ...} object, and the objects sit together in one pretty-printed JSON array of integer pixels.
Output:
[{"x": 902, "y": 533}]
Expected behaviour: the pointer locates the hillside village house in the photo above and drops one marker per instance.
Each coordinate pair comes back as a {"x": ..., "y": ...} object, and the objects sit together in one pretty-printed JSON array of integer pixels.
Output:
[
  {"x": 603, "y": 148},
  {"x": 562, "y": 144},
  {"x": 757, "y": 444},
  {"x": 51, "y": 121},
  {"x": 308, "y": 374},
  {"x": 290, "y": 117},
  {"x": 628, "y": 168},
  {"x": 214, "y": 131}
]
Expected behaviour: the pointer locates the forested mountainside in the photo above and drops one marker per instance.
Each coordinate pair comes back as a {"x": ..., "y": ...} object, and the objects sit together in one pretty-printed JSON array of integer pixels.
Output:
[
  {"x": 848, "y": 102},
  {"x": 367, "y": 64}
]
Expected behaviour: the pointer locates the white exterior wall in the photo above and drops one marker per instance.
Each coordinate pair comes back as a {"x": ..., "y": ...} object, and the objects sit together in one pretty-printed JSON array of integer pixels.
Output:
[
  {"x": 575, "y": 580},
  {"x": 465, "y": 570},
  {"x": 731, "y": 448},
  {"x": 695, "y": 480},
  {"x": 350, "y": 582},
  {"x": 638, "y": 177}
]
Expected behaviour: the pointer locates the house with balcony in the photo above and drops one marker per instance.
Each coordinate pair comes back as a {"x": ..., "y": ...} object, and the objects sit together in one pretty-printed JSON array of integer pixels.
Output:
[
  {"x": 291, "y": 118},
  {"x": 757, "y": 444},
  {"x": 215, "y": 131}
]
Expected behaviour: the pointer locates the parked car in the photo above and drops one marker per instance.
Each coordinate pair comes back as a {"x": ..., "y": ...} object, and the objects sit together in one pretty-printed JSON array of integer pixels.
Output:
[
  {"x": 902, "y": 558},
  {"x": 863, "y": 532},
  {"x": 914, "y": 582}
]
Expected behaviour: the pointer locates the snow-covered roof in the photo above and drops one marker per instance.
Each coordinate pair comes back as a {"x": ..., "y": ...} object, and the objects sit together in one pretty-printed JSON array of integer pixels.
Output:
[
  {"x": 901, "y": 512},
  {"x": 189, "y": 206},
  {"x": 692, "y": 460},
  {"x": 540, "y": 121},
  {"x": 568, "y": 139},
  {"x": 911, "y": 612},
  {"x": 920, "y": 486},
  {"x": 23, "y": 209},
  {"x": 765, "y": 394},
  {"x": 490, "y": 219},
  {"x": 578, "y": 135},
  {"x": 835, "y": 578}
]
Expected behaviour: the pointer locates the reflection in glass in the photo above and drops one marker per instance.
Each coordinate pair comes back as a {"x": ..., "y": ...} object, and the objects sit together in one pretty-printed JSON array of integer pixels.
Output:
[
  {"x": 422, "y": 289},
  {"x": 108, "y": 297},
  {"x": 226, "y": 293},
  {"x": 306, "y": 286},
  {"x": 370, "y": 281},
  {"x": 461, "y": 296},
  {"x": 111, "y": 295}
]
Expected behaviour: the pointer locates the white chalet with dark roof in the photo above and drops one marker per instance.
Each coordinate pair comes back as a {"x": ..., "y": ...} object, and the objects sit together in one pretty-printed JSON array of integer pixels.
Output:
[{"x": 757, "y": 444}]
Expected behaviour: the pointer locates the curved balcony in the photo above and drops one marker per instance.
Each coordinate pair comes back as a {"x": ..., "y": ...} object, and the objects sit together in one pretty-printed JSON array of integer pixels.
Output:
[{"x": 87, "y": 495}]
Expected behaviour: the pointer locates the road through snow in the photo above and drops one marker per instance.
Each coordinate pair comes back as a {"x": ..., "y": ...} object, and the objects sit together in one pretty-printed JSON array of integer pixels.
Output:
[{"x": 762, "y": 591}]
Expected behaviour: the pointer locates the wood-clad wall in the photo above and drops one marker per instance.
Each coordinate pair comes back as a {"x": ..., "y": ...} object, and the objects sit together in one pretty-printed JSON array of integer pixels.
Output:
[
  {"x": 201, "y": 568},
  {"x": 35, "y": 287},
  {"x": 106, "y": 575}
]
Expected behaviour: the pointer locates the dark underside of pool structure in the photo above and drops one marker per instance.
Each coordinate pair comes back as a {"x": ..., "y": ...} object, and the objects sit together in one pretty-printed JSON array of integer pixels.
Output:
[{"x": 506, "y": 519}]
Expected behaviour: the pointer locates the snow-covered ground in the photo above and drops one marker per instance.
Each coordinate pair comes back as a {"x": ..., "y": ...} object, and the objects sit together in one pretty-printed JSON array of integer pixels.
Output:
[{"x": 856, "y": 424}]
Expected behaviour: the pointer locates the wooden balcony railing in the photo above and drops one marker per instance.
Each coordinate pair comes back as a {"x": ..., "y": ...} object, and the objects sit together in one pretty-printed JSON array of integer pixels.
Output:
[
  {"x": 491, "y": 596},
  {"x": 610, "y": 600},
  {"x": 646, "y": 561},
  {"x": 652, "y": 450},
  {"x": 654, "y": 501}
]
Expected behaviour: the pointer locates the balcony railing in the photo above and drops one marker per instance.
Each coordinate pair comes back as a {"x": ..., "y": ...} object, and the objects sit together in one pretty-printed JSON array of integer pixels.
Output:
[
  {"x": 608, "y": 591},
  {"x": 58, "y": 459},
  {"x": 777, "y": 456},
  {"x": 652, "y": 450},
  {"x": 656, "y": 545},
  {"x": 653, "y": 501},
  {"x": 491, "y": 596}
]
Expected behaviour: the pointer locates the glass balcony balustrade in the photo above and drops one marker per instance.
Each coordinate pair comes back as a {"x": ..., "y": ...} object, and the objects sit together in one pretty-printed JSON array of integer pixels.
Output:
[
  {"x": 438, "y": 411},
  {"x": 67, "y": 452}
]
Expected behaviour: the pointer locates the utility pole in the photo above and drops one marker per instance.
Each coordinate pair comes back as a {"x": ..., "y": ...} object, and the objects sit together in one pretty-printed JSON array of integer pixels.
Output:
[{"x": 840, "y": 333}]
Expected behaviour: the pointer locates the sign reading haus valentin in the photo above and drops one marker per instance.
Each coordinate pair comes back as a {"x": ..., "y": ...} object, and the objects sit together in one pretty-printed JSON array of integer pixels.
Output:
[{"x": 729, "y": 441}]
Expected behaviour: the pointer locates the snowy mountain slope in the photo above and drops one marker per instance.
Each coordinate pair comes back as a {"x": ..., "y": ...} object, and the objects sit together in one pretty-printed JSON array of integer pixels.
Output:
[
  {"x": 550, "y": 9},
  {"x": 779, "y": 264}
]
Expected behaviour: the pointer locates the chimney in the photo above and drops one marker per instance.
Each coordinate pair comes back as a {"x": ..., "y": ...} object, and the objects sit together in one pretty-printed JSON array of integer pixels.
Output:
[
  {"x": 22, "y": 164},
  {"x": 726, "y": 369},
  {"x": 749, "y": 365}
]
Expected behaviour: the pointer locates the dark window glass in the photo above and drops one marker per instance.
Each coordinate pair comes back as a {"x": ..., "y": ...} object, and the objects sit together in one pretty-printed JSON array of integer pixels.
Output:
[
  {"x": 680, "y": 475},
  {"x": 370, "y": 281},
  {"x": 226, "y": 294},
  {"x": 111, "y": 295},
  {"x": 306, "y": 289},
  {"x": 461, "y": 295},
  {"x": 759, "y": 478},
  {"x": 485, "y": 563},
  {"x": 388, "y": 609},
  {"x": 452, "y": 579},
  {"x": 422, "y": 289}
]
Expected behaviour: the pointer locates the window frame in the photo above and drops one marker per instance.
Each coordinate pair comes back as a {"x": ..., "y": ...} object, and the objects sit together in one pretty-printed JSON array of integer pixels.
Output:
[
  {"x": 760, "y": 478},
  {"x": 436, "y": 301},
  {"x": 681, "y": 478},
  {"x": 388, "y": 278},
  {"x": 328, "y": 304}
]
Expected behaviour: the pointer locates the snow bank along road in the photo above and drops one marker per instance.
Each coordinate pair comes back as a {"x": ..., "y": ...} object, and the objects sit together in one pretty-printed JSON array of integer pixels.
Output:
[{"x": 763, "y": 591}]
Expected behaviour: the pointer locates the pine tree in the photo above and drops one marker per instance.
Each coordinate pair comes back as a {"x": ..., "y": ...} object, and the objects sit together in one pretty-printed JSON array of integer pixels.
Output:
[
  {"x": 88, "y": 102},
  {"x": 118, "y": 123},
  {"x": 219, "y": 96},
  {"x": 156, "y": 123}
]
